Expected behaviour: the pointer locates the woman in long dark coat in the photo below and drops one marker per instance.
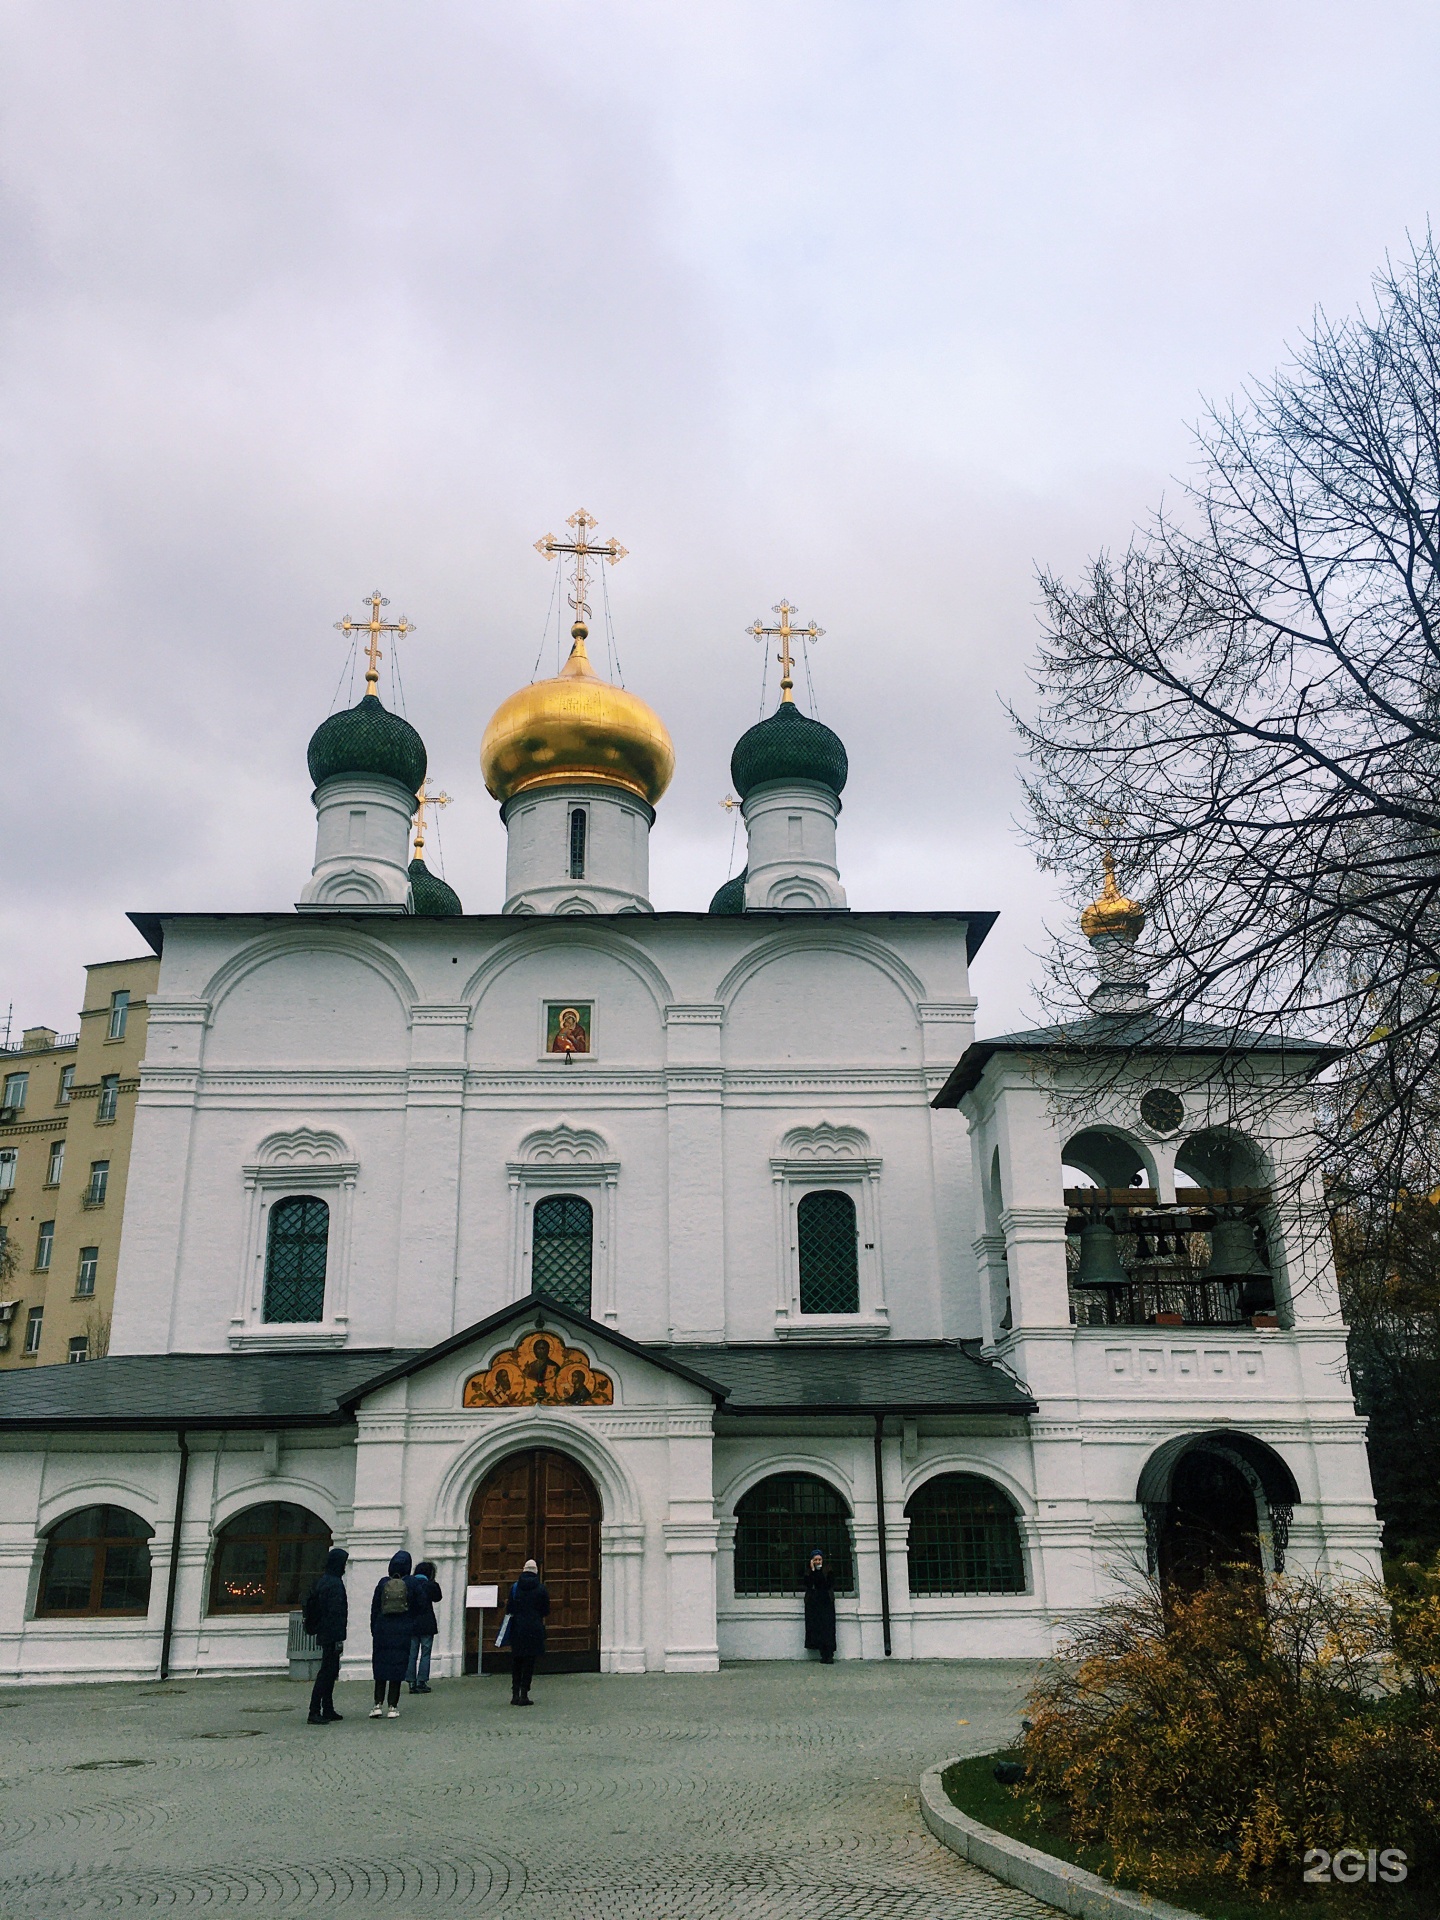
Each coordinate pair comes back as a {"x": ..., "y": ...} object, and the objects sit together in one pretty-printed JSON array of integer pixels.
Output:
[
  {"x": 394, "y": 1610},
  {"x": 526, "y": 1610},
  {"x": 820, "y": 1608}
]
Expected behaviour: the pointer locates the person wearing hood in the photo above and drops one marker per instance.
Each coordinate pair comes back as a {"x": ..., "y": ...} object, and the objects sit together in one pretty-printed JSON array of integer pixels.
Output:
[
  {"x": 417, "y": 1673},
  {"x": 820, "y": 1608},
  {"x": 525, "y": 1637},
  {"x": 327, "y": 1614},
  {"x": 394, "y": 1609}
]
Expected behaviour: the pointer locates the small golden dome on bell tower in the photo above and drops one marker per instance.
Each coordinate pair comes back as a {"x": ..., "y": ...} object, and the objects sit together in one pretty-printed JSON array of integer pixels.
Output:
[{"x": 1112, "y": 912}]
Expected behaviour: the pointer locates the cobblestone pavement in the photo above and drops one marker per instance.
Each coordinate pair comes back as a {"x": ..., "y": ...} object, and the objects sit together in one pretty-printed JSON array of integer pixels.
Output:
[{"x": 759, "y": 1793}]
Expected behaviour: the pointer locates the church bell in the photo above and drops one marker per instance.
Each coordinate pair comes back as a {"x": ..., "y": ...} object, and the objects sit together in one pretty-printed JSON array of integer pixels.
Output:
[
  {"x": 1100, "y": 1257},
  {"x": 1233, "y": 1252}
]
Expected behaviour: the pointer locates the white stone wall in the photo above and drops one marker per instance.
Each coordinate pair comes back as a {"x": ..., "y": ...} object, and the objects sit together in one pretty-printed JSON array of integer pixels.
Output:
[{"x": 419, "y": 1051}]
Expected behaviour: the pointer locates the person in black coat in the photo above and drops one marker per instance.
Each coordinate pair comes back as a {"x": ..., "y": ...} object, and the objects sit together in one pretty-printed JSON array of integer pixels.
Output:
[
  {"x": 526, "y": 1610},
  {"x": 327, "y": 1615},
  {"x": 820, "y": 1608},
  {"x": 394, "y": 1609},
  {"x": 417, "y": 1673}
]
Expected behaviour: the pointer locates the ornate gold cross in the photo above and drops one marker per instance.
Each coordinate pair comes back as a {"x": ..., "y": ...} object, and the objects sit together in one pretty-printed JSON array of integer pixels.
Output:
[
  {"x": 785, "y": 633},
  {"x": 583, "y": 549},
  {"x": 423, "y": 799},
  {"x": 374, "y": 626}
]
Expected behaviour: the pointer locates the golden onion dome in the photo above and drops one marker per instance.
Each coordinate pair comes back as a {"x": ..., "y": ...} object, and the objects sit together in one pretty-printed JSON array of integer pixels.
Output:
[
  {"x": 1112, "y": 912},
  {"x": 576, "y": 728}
]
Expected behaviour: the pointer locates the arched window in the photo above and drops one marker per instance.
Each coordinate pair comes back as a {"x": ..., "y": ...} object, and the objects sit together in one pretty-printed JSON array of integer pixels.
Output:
[
  {"x": 562, "y": 1240},
  {"x": 963, "y": 1538},
  {"x": 295, "y": 1260},
  {"x": 267, "y": 1559},
  {"x": 829, "y": 1260},
  {"x": 779, "y": 1524},
  {"x": 96, "y": 1561},
  {"x": 577, "y": 843}
]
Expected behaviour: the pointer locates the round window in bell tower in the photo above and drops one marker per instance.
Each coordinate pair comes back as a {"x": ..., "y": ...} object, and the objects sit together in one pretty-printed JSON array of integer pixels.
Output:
[{"x": 1162, "y": 1109}]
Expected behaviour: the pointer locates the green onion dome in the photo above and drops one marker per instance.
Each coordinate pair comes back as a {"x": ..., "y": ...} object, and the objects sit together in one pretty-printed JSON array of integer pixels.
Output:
[
  {"x": 731, "y": 897},
  {"x": 367, "y": 739},
  {"x": 788, "y": 745},
  {"x": 431, "y": 894}
]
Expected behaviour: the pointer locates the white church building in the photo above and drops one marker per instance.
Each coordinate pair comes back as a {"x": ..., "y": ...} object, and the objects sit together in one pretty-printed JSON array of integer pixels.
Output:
[{"x": 665, "y": 1247}]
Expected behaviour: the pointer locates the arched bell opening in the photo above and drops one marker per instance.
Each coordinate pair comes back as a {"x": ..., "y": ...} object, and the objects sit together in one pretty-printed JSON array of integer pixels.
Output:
[
  {"x": 1217, "y": 1507},
  {"x": 1224, "y": 1178},
  {"x": 538, "y": 1505}
]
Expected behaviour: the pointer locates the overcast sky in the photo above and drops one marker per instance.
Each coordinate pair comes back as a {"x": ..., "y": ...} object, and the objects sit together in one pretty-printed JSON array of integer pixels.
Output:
[{"x": 874, "y": 306}]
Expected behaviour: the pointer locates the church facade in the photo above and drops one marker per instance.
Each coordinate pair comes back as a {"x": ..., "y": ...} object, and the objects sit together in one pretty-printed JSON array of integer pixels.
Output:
[{"x": 665, "y": 1247}]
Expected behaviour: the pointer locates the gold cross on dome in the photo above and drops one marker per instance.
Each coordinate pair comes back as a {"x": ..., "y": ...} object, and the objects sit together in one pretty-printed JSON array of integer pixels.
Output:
[
  {"x": 583, "y": 549},
  {"x": 374, "y": 627},
  {"x": 785, "y": 633},
  {"x": 423, "y": 799}
]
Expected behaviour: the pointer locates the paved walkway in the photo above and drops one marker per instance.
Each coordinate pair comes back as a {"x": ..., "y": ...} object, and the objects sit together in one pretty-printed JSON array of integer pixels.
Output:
[{"x": 771, "y": 1790}]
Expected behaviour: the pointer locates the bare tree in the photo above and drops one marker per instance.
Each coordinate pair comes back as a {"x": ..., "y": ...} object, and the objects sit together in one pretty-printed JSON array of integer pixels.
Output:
[{"x": 1246, "y": 704}]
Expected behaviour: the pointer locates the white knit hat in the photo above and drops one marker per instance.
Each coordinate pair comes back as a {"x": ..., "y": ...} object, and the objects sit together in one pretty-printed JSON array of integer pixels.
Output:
[{"x": 530, "y": 1567}]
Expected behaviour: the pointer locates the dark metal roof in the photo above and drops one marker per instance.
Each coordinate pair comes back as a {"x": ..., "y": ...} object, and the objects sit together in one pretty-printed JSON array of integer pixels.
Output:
[
  {"x": 147, "y": 1390},
  {"x": 209, "y": 1391},
  {"x": 1111, "y": 1033},
  {"x": 899, "y": 1376},
  {"x": 151, "y": 926}
]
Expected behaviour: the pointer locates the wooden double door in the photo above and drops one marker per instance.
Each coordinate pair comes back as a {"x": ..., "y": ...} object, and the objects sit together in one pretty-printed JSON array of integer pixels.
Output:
[{"x": 540, "y": 1506}]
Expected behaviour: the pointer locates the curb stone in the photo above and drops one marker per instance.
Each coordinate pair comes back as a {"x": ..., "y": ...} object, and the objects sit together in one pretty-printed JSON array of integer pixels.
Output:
[{"x": 1056, "y": 1882}]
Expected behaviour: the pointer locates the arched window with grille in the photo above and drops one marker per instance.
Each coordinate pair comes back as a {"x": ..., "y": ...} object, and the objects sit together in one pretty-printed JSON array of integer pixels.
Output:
[
  {"x": 295, "y": 1260},
  {"x": 96, "y": 1561},
  {"x": 779, "y": 1523},
  {"x": 562, "y": 1242},
  {"x": 267, "y": 1559},
  {"x": 828, "y": 1250},
  {"x": 963, "y": 1538}
]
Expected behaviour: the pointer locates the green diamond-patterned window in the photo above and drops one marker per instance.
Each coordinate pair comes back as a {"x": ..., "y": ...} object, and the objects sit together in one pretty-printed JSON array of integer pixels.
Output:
[
  {"x": 562, "y": 1237},
  {"x": 295, "y": 1261},
  {"x": 779, "y": 1523},
  {"x": 829, "y": 1263},
  {"x": 963, "y": 1538}
]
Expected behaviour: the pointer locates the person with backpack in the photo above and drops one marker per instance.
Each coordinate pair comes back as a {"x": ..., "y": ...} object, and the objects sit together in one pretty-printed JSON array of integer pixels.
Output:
[
  {"x": 394, "y": 1609},
  {"x": 327, "y": 1614},
  {"x": 417, "y": 1674},
  {"x": 524, "y": 1631}
]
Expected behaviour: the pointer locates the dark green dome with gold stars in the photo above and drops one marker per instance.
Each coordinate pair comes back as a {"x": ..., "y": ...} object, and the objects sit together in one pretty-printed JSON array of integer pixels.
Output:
[
  {"x": 367, "y": 739},
  {"x": 786, "y": 746}
]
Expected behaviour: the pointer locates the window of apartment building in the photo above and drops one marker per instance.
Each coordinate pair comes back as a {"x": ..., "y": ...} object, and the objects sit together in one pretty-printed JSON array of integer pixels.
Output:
[
  {"x": 57, "y": 1163},
  {"x": 99, "y": 1181},
  {"x": 34, "y": 1324},
  {"x": 79, "y": 1348},
  {"x": 8, "y": 1158},
  {"x": 89, "y": 1268},
  {"x": 119, "y": 1014},
  {"x": 109, "y": 1097},
  {"x": 17, "y": 1085},
  {"x": 67, "y": 1081},
  {"x": 44, "y": 1246}
]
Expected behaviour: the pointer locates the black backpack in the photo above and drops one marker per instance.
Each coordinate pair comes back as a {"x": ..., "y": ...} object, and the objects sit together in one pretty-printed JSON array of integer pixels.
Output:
[{"x": 314, "y": 1612}]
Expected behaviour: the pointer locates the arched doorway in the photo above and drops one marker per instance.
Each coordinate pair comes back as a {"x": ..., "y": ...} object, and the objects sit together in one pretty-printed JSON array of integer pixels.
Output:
[
  {"x": 539, "y": 1505},
  {"x": 1211, "y": 1528}
]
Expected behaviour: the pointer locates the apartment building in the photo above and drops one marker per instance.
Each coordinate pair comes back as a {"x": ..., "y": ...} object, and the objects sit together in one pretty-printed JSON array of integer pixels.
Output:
[{"x": 67, "y": 1112}]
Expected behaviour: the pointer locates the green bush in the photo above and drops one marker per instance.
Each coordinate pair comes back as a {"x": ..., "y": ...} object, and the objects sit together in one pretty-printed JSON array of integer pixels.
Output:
[{"x": 1225, "y": 1732}]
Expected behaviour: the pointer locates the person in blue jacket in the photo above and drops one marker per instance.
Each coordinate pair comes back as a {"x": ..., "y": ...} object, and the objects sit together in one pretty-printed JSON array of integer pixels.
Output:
[
  {"x": 417, "y": 1673},
  {"x": 394, "y": 1609},
  {"x": 526, "y": 1610}
]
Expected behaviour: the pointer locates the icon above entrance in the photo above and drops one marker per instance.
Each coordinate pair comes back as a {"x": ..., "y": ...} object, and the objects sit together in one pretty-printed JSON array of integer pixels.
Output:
[{"x": 540, "y": 1371}]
